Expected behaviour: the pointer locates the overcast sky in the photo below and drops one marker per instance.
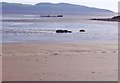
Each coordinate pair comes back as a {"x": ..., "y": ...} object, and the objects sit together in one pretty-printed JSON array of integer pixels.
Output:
[{"x": 104, "y": 4}]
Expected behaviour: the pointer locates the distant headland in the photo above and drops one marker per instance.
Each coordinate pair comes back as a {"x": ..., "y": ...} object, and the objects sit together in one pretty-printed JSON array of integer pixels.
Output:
[{"x": 115, "y": 19}]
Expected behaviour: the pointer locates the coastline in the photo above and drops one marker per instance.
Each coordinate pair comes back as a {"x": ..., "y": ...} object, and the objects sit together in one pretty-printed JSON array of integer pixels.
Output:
[
  {"x": 60, "y": 61},
  {"x": 47, "y": 41}
]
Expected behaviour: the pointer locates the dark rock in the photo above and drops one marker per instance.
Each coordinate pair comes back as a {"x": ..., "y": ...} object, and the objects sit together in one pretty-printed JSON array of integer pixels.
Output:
[
  {"x": 59, "y": 15},
  {"x": 116, "y": 18},
  {"x": 82, "y": 30},
  {"x": 70, "y": 31},
  {"x": 63, "y": 31}
]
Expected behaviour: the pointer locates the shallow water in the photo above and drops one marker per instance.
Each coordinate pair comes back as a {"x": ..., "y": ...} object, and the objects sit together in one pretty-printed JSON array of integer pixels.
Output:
[{"x": 43, "y": 29}]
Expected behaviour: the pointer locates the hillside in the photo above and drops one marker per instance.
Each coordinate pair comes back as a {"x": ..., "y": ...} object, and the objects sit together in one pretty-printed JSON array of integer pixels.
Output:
[{"x": 50, "y": 8}]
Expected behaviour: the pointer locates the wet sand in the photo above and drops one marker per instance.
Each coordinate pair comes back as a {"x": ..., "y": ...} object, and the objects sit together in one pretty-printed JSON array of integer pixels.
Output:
[{"x": 85, "y": 61}]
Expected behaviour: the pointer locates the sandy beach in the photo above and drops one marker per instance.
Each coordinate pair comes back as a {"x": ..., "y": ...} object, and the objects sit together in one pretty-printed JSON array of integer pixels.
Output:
[{"x": 85, "y": 61}]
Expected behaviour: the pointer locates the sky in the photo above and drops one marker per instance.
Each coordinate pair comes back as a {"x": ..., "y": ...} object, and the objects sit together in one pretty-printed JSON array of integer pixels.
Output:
[{"x": 104, "y": 4}]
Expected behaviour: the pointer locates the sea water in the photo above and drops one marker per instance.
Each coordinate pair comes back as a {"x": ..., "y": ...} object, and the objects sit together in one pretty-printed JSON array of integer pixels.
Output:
[{"x": 43, "y": 29}]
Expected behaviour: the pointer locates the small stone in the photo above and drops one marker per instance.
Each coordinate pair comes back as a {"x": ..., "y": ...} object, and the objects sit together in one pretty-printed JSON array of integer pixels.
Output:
[
  {"x": 93, "y": 72},
  {"x": 37, "y": 59},
  {"x": 56, "y": 54}
]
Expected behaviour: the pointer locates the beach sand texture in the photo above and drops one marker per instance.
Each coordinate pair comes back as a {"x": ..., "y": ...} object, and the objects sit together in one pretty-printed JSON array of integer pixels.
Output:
[{"x": 89, "y": 61}]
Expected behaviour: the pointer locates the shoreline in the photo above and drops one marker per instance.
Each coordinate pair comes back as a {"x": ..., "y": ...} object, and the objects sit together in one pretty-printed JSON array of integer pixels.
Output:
[
  {"x": 60, "y": 61},
  {"x": 82, "y": 41}
]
